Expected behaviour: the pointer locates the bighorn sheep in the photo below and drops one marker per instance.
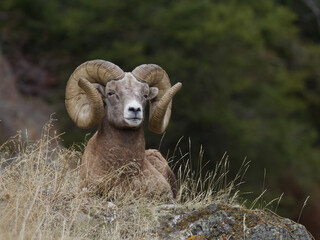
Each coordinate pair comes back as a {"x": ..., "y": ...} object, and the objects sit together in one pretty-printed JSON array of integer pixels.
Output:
[{"x": 119, "y": 142}]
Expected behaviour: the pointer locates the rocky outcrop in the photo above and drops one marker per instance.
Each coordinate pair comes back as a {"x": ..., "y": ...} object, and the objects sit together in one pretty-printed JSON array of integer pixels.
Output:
[
  {"x": 222, "y": 221},
  {"x": 18, "y": 112}
]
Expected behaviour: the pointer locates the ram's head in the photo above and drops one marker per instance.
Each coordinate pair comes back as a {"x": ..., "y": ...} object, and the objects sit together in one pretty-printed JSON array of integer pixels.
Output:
[{"x": 97, "y": 82}]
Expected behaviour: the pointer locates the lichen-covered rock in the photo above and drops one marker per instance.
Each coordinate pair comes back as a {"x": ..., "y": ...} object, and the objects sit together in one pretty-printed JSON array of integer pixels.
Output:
[{"x": 221, "y": 221}]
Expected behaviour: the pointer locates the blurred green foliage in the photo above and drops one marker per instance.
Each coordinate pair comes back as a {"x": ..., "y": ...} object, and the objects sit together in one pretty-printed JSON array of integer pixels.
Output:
[{"x": 251, "y": 81}]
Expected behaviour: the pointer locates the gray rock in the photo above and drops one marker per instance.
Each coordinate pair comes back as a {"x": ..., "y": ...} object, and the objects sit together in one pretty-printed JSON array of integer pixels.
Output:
[
  {"x": 17, "y": 111},
  {"x": 222, "y": 221}
]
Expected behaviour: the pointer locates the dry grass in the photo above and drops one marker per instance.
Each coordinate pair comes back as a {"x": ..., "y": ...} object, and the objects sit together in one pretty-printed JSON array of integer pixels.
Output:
[{"x": 40, "y": 197}]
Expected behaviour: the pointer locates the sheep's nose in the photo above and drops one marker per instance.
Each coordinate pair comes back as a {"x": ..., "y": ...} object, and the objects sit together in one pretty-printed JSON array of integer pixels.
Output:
[{"x": 134, "y": 109}]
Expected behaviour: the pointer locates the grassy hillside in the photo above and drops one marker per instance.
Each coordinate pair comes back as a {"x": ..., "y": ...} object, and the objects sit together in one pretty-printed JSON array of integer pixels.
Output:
[{"x": 40, "y": 197}]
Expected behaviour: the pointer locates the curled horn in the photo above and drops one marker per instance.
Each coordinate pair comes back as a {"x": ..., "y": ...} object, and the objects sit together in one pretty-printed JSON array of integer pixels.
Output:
[
  {"x": 83, "y": 102},
  {"x": 160, "y": 107}
]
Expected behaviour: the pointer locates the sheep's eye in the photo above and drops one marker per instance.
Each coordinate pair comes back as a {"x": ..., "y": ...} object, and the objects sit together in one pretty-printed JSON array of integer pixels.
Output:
[
  {"x": 110, "y": 93},
  {"x": 145, "y": 95}
]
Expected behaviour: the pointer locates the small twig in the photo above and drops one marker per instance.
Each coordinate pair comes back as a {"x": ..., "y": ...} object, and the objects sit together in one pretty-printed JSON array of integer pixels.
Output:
[
  {"x": 304, "y": 204},
  {"x": 257, "y": 199},
  {"x": 279, "y": 202}
]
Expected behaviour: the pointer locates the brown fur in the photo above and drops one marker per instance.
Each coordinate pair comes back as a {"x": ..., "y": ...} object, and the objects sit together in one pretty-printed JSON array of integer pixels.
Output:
[{"x": 123, "y": 150}]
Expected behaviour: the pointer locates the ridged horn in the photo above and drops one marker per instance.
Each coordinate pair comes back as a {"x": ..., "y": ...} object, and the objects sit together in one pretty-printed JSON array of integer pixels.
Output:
[
  {"x": 83, "y": 102},
  {"x": 160, "y": 107}
]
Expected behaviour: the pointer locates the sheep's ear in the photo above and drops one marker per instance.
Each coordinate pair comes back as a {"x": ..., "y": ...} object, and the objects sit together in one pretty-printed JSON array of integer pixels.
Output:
[
  {"x": 101, "y": 89},
  {"x": 153, "y": 92}
]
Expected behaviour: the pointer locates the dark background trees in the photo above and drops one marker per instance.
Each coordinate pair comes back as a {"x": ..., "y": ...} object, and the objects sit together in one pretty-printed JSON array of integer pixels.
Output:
[{"x": 250, "y": 74}]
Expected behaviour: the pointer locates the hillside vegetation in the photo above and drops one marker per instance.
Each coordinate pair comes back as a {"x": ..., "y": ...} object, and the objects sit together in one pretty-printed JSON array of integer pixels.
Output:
[{"x": 40, "y": 196}]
